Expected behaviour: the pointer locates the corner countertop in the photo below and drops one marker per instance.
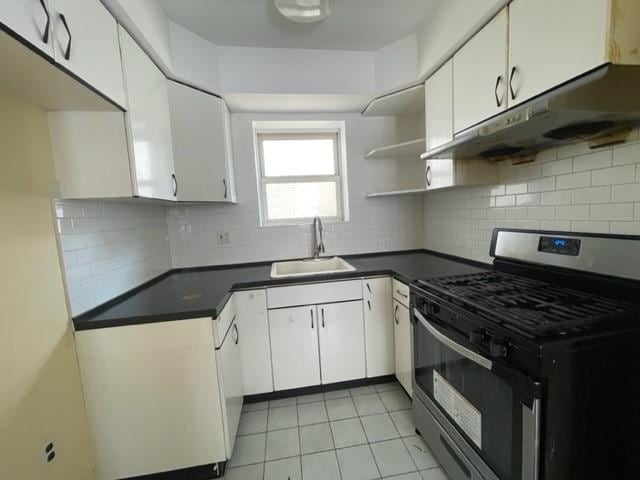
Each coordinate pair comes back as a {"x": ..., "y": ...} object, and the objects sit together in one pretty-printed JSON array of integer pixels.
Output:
[{"x": 182, "y": 294}]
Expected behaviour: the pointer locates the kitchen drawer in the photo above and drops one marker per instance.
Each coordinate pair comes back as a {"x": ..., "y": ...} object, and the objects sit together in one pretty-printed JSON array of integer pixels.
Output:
[
  {"x": 223, "y": 321},
  {"x": 401, "y": 292},
  {"x": 314, "y": 293}
]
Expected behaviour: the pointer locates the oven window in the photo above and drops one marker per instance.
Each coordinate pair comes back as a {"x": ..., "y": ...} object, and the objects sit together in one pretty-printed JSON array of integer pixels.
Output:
[{"x": 479, "y": 403}]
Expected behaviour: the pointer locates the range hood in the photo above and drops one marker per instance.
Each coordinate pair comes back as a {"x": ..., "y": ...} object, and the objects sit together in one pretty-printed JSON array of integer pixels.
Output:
[{"x": 596, "y": 105}]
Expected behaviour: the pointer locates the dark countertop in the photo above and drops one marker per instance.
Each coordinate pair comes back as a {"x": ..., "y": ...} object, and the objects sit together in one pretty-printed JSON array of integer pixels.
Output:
[{"x": 202, "y": 292}]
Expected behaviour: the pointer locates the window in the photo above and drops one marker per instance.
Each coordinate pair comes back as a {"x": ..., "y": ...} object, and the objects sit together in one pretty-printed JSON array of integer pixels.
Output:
[{"x": 301, "y": 171}]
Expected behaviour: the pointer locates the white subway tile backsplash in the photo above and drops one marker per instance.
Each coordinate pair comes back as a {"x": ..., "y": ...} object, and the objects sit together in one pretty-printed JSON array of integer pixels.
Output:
[
  {"x": 612, "y": 211},
  {"x": 528, "y": 199},
  {"x": 110, "y": 248},
  {"x": 541, "y": 213},
  {"x": 573, "y": 180},
  {"x": 626, "y": 193},
  {"x": 614, "y": 175},
  {"x": 593, "y": 161},
  {"x": 559, "y": 167},
  {"x": 516, "y": 188},
  {"x": 625, "y": 228},
  {"x": 506, "y": 201},
  {"x": 626, "y": 155},
  {"x": 591, "y": 227},
  {"x": 568, "y": 201},
  {"x": 591, "y": 195},
  {"x": 562, "y": 197},
  {"x": 546, "y": 184},
  {"x": 574, "y": 212}
]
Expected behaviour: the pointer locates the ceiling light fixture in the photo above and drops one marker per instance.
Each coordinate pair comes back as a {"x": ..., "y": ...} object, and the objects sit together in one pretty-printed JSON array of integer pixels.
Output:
[{"x": 304, "y": 11}]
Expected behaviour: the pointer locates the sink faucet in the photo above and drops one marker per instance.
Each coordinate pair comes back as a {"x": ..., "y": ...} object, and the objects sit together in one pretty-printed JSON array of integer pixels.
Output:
[{"x": 318, "y": 246}]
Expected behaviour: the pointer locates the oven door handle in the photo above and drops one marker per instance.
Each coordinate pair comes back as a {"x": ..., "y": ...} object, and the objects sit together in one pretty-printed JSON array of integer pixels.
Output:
[{"x": 465, "y": 352}]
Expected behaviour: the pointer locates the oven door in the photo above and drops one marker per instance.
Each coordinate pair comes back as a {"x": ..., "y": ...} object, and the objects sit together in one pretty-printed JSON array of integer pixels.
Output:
[{"x": 492, "y": 410}]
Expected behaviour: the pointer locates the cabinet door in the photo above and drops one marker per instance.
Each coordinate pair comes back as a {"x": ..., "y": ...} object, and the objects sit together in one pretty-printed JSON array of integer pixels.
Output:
[
  {"x": 201, "y": 150},
  {"x": 378, "y": 326},
  {"x": 231, "y": 383},
  {"x": 148, "y": 123},
  {"x": 403, "y": 346},
  {"x": 28, "y": 19},
  {"x": 341, "y": 332},
  {"x": 551, "y": 42},
  {"x": 86, "y": 42},
  {"x": 294, "y": 347},
  {"x": 256, "y": 352},
  {"x": 438, "y": 98},
  {"x": 479, "y": 75}
]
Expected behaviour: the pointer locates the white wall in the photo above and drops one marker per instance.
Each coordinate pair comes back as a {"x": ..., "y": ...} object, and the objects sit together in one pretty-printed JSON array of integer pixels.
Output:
[
  {"x": 147, "y": 23},
  {"x": 374, "y": 225},
  {"x": 109, "y": 248},
  {"x": 568, "y": 189},
  {"x": 450, "y": 22},
  {"x": 396, "y": 64},
  {"x": 290, "y": 70},
  {"x": 195, "y": 60}
]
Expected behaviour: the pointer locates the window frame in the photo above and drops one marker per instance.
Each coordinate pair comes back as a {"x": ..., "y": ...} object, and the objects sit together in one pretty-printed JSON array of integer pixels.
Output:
[{"x": 285, "y": 130}]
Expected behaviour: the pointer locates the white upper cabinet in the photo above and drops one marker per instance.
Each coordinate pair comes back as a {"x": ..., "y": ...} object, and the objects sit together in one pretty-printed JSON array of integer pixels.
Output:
[
  {"x": 480, "y": 75},
  {"x": 30, "y": 19},
  {"x": 148, "y": 123},
  {"x": 85, "y": 40},
  {"x": 378, "y": 326},
  {"x": 553, "y": 41},
  {"x": 341, "y": 338},
  {"x": 202, "y": 153},
  {"x": 438, "y": 98}
]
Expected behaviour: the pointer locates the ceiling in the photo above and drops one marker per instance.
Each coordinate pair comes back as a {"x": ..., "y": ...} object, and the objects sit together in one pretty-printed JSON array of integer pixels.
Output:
[{"x": 352, "y": 25}]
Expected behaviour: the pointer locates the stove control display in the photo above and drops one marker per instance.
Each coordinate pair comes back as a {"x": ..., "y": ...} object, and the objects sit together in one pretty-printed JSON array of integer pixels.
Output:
[{"x": 560, "y": 245}]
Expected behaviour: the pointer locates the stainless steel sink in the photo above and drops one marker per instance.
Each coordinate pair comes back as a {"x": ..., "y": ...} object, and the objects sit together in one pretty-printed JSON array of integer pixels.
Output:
[{"x": 303, "y": 268}]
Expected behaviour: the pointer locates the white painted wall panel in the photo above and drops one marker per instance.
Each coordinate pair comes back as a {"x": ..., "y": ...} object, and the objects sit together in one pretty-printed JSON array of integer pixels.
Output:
[
  {"x": 396, "y": 64},
  {"x": 289, "y": 70}
]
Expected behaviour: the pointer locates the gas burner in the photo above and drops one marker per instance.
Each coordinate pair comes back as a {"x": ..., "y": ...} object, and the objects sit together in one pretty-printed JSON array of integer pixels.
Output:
[{"x": 528, "y": 306}]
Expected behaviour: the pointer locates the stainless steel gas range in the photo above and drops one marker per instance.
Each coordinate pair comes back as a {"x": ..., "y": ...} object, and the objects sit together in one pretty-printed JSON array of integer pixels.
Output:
[{"x": 531, "y": 371}]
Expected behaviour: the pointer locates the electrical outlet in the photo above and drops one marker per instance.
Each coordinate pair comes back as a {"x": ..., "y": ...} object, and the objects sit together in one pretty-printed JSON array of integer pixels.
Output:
[
  {"x": 48, "y": 452},
  {"x": 223, "y": 237}
]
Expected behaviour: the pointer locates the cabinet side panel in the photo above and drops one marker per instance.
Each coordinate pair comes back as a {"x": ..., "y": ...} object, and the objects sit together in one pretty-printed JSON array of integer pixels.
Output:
[
  {"x": 624, "y": 35},
  {"x": 152, "y": 397},
  {"x": 91, "y": 155}
]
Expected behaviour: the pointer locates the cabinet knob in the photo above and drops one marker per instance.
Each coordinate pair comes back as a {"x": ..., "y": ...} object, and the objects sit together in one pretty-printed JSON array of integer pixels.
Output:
[
  {"x": 395, "y": 315},
  {"x": 224, "y": 184},
  {"x": 174, "y": 181},
  {"x": 428, "y": 175}
]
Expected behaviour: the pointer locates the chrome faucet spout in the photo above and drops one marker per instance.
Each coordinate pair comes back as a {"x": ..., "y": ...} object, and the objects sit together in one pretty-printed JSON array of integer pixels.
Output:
[{"x": 318, "y": 242}]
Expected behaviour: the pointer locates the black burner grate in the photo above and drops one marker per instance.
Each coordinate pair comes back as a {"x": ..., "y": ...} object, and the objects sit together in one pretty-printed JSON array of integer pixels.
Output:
[{"x": 526, "y": 305}]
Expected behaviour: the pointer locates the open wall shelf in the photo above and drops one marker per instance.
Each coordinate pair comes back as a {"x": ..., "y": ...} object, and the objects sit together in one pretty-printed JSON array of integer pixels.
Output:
[
  {"x": 410, "y": 149},
  {"x": 409, "y": 101}
]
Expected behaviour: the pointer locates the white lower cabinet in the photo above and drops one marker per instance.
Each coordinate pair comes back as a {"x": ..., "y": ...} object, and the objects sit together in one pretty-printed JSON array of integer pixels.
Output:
[
  {"x": 341, "y": 339},
  {"x": 294, "y": 347},
  {"x": 152, "y": 396},
  {"x": 378, "y": 326},
  {"x": 255, "y": 350},
  {"x": 229, "y": 360},
  {"x": 402, "y": 335}
]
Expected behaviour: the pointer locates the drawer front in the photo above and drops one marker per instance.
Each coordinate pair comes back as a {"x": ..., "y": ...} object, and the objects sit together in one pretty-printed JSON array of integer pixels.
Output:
[
  {"x": 314, "y": 293},
  {"x": 224, "y": 320},
  {"x": 401, "y": 292}
]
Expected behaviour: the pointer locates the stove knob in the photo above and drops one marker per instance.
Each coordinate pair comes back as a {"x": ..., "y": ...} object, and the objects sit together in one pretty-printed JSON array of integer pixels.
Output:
[{"x": 498, "y": 348}]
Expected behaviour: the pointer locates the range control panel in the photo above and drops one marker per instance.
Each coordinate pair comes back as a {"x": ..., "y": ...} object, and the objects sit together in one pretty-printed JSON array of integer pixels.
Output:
[{"x": 560, "y": 246}]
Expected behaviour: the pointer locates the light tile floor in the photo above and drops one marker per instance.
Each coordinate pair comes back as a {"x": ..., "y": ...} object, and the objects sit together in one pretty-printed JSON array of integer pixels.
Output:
[{"x": 362, "y": 433}]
